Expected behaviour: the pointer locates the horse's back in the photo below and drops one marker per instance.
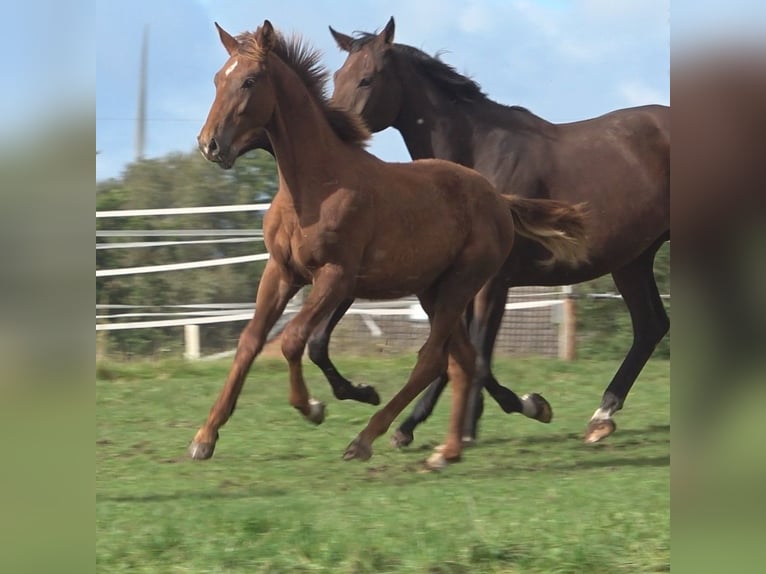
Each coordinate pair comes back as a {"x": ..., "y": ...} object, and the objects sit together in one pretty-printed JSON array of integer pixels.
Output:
[
  {"x": 449, "y": 179},
  {"x": 428, "y": 215}
]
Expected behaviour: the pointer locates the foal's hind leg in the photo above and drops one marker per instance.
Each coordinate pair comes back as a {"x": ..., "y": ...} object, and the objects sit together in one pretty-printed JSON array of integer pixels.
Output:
[
  {"x": 461, "y": 366},
  {"x": 638, "y": 287},
  {"x": 274, "y": 291},
  {"x": 444, "y": 303},
  {"x": 319, "y": 344}
]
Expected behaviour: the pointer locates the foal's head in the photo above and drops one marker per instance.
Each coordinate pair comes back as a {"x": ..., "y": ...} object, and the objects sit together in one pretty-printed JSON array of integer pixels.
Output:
[
  {"x": 244, "y": 97},
  {"x": 367, "y": 83}
]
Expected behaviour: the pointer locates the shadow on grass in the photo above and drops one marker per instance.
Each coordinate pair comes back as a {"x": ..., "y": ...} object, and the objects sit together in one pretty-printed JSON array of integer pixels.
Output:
[
  {"x": 209, "y": 494},
  {"x": 653, "y": 434},
  {"x": 615, "y": 452},
  {"x": 663, "y": 460}
]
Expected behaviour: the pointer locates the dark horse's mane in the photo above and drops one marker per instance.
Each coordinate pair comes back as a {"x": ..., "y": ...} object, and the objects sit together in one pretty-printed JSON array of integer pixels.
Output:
[
  {"x": 442, "y": 74},
  {"x": 305, "y": 61}
]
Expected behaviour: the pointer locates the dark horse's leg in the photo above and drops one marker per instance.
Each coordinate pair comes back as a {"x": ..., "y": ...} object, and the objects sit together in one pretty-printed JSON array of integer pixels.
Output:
[
  {"x": 489, "y": 308},
  {"x": 319, "y": 344},
  {"x": 405, "y": 434},
  {"x": 484, "y": 317},
  {"x": 638, "y": 287}
]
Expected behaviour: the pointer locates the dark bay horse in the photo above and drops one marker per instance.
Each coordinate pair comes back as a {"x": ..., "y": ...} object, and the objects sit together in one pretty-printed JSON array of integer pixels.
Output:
[
  {"x": 354, "y": 226},
  {"x": 618, "y": 163}
]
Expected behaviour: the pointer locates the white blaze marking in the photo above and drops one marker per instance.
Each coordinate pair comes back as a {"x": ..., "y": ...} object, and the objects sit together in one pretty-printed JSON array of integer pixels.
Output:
[{"x": 230, "y": 69}]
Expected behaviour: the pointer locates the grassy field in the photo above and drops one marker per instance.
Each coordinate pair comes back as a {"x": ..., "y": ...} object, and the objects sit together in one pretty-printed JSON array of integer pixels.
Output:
[{"x": 276, "y": 497}]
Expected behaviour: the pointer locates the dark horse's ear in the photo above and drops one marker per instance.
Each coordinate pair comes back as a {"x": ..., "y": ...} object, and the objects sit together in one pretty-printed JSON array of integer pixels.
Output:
[
  {"x": 265, "y": 37},
  {"x": 387, "y": 35},
  {"x": 228, "y": 41},
  {"x": 344, "y": 42}
]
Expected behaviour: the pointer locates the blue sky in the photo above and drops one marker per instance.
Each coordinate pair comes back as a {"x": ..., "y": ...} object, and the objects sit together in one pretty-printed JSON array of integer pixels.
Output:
[{"x": 564, "y": 60}]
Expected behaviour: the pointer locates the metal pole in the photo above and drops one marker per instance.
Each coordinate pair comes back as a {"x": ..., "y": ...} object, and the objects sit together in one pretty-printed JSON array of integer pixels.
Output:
[{"x": 141, "y": 116}]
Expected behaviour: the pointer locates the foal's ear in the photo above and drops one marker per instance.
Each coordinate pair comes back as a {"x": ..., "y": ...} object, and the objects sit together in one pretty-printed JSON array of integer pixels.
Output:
[
  {"x": 228, "y": 41},
  {"x": 266, "y": 36},
  {"x": 344, "y": 42},
  {"x": 387, "y": 35}
]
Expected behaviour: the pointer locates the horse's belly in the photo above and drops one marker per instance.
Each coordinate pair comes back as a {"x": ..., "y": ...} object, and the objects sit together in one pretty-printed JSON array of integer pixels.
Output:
[{"x": 388, "y": 276}]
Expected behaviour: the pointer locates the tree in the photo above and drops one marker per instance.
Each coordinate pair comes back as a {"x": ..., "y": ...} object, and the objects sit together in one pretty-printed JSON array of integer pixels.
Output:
[{"x": 182, "y": 180}]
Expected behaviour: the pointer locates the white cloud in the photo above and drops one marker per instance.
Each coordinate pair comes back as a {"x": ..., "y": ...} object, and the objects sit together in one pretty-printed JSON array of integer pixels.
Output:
[
  {"x": 563, "y": 59},
  {"x": 563, "y": 30},
  {"x": 542, "y": 18},
  {"x": 637, "y": 93},
  {"x": 474, "y": 18}
]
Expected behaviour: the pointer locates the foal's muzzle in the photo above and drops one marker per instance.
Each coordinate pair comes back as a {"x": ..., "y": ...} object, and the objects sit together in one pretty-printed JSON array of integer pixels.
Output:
[
  {"x": 209, "y": 148},
  {"x": 211, "y": 151}
]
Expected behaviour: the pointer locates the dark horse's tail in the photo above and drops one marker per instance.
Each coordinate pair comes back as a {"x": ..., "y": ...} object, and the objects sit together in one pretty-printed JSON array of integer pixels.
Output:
[{"x": 556, "y": 225}]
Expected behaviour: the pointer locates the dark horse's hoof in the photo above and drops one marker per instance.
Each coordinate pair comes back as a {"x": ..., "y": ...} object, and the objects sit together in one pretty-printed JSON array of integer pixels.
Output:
[
  {"x": 358, "y": 450},
  {"x": 201, "y": 450},
  {"x": 367, "y": 394},
  {"x": 543, "y": 409},
  {"x": 401, "y": 438},
  {"x": 599, "y": 429},
  {"x": 358, "y": 393}
]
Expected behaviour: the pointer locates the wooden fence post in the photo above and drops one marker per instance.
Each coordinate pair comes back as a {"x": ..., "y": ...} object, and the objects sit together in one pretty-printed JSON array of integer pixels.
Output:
[
  {"x": 567, "y": 326},
  {"x": 191, "y": 339}
]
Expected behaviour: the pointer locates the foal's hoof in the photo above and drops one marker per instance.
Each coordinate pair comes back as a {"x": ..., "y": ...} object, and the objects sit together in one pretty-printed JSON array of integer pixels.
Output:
[
  {"x": 542, "y": 408},
  {"x": 438, "y": 461},
  {"x": 598, "y": 430},
  {"x": 401, "y": 438},
  {"x": 316, "y": 411},
  {"x": 358, "y": 450},
  {"x": 201, "y": 450}
]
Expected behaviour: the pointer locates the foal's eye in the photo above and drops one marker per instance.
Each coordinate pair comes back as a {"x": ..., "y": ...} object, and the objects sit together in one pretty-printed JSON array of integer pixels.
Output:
[
  {"x": 248, "y": 83},
  {"x": 364, "y": 82}
]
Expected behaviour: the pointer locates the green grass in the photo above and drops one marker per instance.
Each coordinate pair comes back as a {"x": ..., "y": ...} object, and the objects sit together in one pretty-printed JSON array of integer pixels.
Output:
[{"x": 276, "y": 497}]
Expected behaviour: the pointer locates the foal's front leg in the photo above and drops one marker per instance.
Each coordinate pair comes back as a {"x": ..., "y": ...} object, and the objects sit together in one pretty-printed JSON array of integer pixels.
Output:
[
  {"x": 274, "y": 292},
  {"x": 331, "y": 286}
]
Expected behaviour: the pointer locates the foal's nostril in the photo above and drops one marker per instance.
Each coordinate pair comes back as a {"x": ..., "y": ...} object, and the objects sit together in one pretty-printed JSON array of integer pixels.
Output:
[{"x": 212, "y": 147}]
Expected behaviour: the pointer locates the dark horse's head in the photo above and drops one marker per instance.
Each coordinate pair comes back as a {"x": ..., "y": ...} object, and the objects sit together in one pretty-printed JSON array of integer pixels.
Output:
[
  {"x": 244, "y": 98},
  {"x": 366, "y": 83}
]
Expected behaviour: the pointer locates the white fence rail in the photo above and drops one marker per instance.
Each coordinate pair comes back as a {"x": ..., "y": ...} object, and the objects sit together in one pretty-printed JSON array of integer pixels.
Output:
[
  {"x": 191, "y": 316},
  {"x": 183, "y": 210}
]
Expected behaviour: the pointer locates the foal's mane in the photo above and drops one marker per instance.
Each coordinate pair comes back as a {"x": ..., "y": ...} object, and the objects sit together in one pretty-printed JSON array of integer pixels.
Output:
[
  {"x": 305, "y": 61},
  {"x": 444, "y": 76}
]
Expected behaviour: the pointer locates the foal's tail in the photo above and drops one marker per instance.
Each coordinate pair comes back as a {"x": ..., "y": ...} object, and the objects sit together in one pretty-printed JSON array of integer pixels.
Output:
[{"x": 556, "y": 225}]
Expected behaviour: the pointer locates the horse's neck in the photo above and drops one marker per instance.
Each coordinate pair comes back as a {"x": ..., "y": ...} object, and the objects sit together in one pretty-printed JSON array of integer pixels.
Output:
[
  {"x": 429, "y": 125},
  {"x": 302, "y": 139},
  {"x": 434, "y": 125}
]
